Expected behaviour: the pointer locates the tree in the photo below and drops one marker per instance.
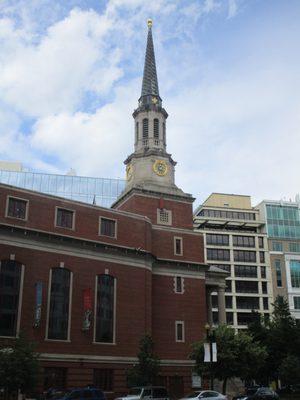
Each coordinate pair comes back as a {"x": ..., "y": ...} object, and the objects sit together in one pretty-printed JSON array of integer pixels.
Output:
[
  {"x": 147, "y": 369},
  {"x": 289, "y": 370},
  {"x": 18, "y": 366},
  {"x": 238, "y": 355},
  {"x": 281, "y": 338}
]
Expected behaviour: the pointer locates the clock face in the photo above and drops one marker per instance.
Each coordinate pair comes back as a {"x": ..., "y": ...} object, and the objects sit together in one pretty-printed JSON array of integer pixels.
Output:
[
  {"x": 160, "y": 167},
  {"x": 128, "y": 172}
]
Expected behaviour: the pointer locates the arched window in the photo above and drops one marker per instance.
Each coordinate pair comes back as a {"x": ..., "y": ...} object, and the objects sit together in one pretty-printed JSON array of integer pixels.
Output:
[
  {"x": 105, "y": 309},
  {"x": 10, "y": 283},
  {"x": 145, "y": 128},
  {"x": 156, "y": 128},
  {"x": 136, "y": 132},
  {"x": 59, "y": 308}
]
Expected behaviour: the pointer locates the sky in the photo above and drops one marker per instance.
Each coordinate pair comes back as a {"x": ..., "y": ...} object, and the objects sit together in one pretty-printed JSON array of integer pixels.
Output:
[{"x": 228, "y": 72}]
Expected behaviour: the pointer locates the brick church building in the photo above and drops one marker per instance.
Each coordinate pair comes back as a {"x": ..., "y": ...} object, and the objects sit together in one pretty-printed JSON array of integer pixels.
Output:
[{"x": 86, "y": 283}]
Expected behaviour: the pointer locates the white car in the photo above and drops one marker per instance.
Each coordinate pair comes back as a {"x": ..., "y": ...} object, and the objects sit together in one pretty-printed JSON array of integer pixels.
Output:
[
  {"x": 205, "y": 394},
  {"x": 146, "y": 393}
]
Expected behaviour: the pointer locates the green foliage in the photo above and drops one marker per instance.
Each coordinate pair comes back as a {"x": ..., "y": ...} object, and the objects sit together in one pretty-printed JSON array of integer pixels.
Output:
[
  {"x": 281, "y": 338},
  {"x": 147, "y": 369},
  {"x": 289, "y": 370},
  {"x": 238, "y": 355},
  {"x": 18, "y": 366}
]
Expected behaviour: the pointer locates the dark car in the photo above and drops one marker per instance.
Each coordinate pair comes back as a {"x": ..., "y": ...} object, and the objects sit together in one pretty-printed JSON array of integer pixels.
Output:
[
  {"x": 87, "y": 393},
  {"x": 258, "y": 393}
]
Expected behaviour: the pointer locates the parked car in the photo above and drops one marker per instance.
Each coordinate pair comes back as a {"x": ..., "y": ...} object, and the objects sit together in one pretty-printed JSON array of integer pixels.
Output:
[
  {"x": 146, "y": 393},
  {"x": 257, "y": 393},
  {"x": 90, "y": 393},
  {"x": 205, "y": 394}
]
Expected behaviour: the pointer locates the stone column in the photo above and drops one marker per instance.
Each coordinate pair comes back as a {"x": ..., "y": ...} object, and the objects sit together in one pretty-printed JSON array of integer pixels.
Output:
[
  {"x": 221, "y": 305},
  {"x": 209, "y": 305}
]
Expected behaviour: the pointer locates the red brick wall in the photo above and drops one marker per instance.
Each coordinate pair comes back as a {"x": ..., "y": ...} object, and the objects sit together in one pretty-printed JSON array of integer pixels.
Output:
[
  {"x": 169, "y": 307},
  {"x": 182, "y": 213}
]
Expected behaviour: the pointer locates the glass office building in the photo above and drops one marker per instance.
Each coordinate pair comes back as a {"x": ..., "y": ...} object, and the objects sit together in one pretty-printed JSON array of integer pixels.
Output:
[
  {"x": 283, "y": 221},
  {"x": 103, "y": 191},
  {"x": 283, "y": 230}
]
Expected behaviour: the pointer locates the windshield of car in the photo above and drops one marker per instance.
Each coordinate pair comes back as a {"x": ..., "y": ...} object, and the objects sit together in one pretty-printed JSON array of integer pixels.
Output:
[
  {"x": 193, "y": 394},
  {"x": 135, "y": 392}
]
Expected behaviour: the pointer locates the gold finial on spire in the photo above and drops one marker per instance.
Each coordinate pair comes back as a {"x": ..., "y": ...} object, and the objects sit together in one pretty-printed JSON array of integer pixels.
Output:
[{"x": 149, "y": 23}]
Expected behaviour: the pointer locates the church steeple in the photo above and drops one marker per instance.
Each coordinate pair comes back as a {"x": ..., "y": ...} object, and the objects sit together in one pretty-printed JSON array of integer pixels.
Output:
[{"x": 150, "y": 84}]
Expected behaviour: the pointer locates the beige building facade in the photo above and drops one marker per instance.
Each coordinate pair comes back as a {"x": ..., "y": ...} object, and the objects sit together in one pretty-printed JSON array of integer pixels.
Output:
[{"x": 235, "y": 241}]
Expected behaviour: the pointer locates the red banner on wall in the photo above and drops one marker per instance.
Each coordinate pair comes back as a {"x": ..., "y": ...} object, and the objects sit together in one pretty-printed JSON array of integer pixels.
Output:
[{"x": 87, "y": 299}]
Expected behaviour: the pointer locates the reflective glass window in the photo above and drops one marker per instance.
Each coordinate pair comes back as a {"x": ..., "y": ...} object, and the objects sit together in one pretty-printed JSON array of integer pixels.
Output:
[
  {"x": 10, "y": 279},
  {"x": 105, "y": 309},
  {"x": 295, "y": 273}
]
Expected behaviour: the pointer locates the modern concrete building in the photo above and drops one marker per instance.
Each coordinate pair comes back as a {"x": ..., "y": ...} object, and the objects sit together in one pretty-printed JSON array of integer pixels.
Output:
[
  {"x": 100, "y": 191},
  {"x": 283, "y": 230},
  {"x": 235, "y": 241}
]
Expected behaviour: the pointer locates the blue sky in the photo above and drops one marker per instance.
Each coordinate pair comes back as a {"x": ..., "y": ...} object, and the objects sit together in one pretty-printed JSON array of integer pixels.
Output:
[{"x": 228, "y": 70}]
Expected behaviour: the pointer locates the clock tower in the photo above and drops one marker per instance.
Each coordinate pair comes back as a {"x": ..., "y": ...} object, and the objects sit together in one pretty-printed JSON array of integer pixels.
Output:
[{"x": 150, "y": 168}]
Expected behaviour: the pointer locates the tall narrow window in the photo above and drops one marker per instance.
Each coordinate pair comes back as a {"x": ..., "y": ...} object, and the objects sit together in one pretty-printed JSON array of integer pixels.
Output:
[
  {"x": 105, "y": 309},
  {"x": 164, "y": 132},
  {"x": 145, "y": 128},
  {"x": 10, "y": 282},
  {"x": 295, "y": 273},
  {"x": 278, "y": 273},
  {"x": 178, "y": 283},
  {"x": 136, "y": 132},
  {"x": 178, "y": 248},
  {"x": 156, "y": 128},
  {"x": 179, "y": 331},
  {"x": 58, "y": 325}
]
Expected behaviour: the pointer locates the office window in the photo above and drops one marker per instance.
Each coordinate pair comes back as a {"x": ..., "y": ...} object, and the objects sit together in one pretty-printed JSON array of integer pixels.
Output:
[
  {"x": 245, "y": 271},
  {"x": 244, "y": 255},
  {"x": 266, "y": 303},
  {"x": 105, "y": 309},
  {"x": 246, "y": 318},
  {"x": 262, "y": 257},
  {"x": 10, "y": 285},
  {"x": 215, "y": 317},
  {"x": 278, "y": 273},
  {"x": 221, "y": 240},
  {"x": 178, "y": 283},
  {"x": 229, "y": 318},
  {"x": 145, "y": 128},
  {"x": 228, "y": 301},
  {"x": 247, "y": 303},
  {"x": 65, "y": 218},
  {"x": 243, "y": 241},
  {"x": 246, "y": 287},
  {"x": 277, "y": 246},
  {"x": 156, "y": 128},
  {"x": 178, "y": 247},
  {"x": 263, "y": 272},
  {"x": 17, "y": 208},
  {"x": 103, "y": 378},
  {"x": 295, "y": 273},
  {"x": 58, "y": 323},
  {"x": 214, "y": 301},
  {"x": 294, "y": 247},
  {"x": 264, "y": 287},
  {"x": 296, "y": 302},
  {"x": 225, "y": 267},
  {"x": 228, "y": 285},
  {"x": 260, "y": 242},
  {"x": 218, "y": 254},
  {"x": 108, "y": 227},
  {"x": 179, "y": 331}
]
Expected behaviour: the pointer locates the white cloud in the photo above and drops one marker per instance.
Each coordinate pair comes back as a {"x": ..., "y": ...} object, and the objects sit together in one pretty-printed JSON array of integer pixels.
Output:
[
  {"x": 52, "y": 76},
  {"x": 232, "y": 8}
]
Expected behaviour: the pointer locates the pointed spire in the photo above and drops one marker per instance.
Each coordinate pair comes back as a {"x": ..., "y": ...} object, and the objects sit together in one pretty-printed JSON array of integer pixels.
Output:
[{"x": 150, "y": 84}]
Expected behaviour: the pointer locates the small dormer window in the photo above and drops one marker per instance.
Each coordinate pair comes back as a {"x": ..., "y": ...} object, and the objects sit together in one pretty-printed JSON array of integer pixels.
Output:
[
  {"x": 156, "y": 128},
  {"x": 145, "y": 128}
]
